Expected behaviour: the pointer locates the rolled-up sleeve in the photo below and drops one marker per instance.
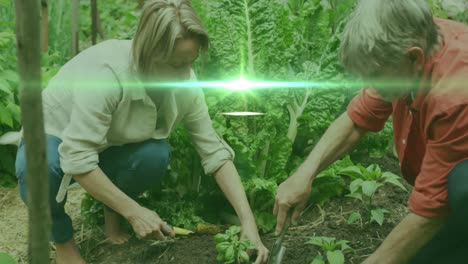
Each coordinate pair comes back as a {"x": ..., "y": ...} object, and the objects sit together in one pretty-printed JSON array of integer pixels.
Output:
[
  {"x": 85, "y": 135},
  {"x": 213, "y": 150},
  {"x": 447, "y": 146},
  {"x": 368, "y": 111}
]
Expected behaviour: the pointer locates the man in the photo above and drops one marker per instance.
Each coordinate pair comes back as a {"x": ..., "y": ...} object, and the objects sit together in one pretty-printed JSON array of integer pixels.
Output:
[{"x": 416, "y": 65}]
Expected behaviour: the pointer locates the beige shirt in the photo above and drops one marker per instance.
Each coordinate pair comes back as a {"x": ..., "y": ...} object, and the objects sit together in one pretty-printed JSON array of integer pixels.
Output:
[{"x": 95, "y": 102}]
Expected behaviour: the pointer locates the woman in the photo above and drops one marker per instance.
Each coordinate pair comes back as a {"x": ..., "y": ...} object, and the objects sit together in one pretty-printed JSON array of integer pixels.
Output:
[{"x": 106, "y": 124}]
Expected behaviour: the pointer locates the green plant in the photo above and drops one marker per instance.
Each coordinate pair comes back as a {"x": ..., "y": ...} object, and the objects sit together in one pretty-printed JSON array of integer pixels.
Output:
[
  {"x": 5, "y": 258},
  {"x": 332, "y": 249},
  {"x": 365, "y": 184},
  {"x": 10, "y": 117},
  {"x": 231, "y": 248}
]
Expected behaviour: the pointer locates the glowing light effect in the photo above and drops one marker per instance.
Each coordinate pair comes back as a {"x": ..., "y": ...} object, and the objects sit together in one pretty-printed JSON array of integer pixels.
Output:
[
  {"x": 243, "y": 84},
  {"x": 243, "y": 114},
  {"x": 239, "y": 85}
]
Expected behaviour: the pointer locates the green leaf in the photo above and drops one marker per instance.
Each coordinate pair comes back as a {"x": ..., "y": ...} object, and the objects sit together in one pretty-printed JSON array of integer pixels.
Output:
[
  {"x": 222, "y": 247},
  {"x": 6, "y": 259},
  {"x": 354, "y": 217},
  {"x": 355, "y": 195},
  {"x": 244, "y": 256},
  {"x": 370, "y": 187},
  {"x": 221, "y": 238},
  {"x": 353, "y": 172},
  {"x": 229, "y": 255},
  {"x": 5, "y": 86},
  {"x": 5, "y": 3},
  {"x": 15, "y": 111},
  {"x": 10, "y": 75},
  {"x": 378, "y": 215},
  {"x": 354, "y": 186},
  {"x": 393, "y": 179},
  {"x": 345, "y": 246},
  {"x": 5, "y": 116},
  {"x": 318, "y": 260},
  {"x": 335, "y": 257},
  {"x": 318, "y": 241}
]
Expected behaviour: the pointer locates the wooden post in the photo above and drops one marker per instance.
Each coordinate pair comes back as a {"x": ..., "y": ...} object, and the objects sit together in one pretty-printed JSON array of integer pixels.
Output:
[
  {"x": 75, "y": 8},
  {"x": 45, "y": 26},
  {"x": 94, "y": 21},
  {"x": 99, "y": 26},
  {"x": 28, "y": 36}
]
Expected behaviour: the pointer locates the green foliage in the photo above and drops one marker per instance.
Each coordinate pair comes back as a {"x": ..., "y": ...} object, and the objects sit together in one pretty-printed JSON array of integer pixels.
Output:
[
  {"x": 59, "y": 37},
  {"x": 332, "y": 249},
  {"x": 92, "y": 211},
  {"x": 365, "y": 184},
  {"x": 375, "y": 145},
  {"x": 118, "y": 20},
  {"x": 329, "y": 183},
  {"x": 5, "y": 258},
  {"x": 10, "y": 117},
  {"x": 231, "y": 248}
]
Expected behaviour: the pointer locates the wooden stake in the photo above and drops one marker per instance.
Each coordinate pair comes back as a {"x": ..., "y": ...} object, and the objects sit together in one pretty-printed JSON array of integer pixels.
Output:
[
  {"x": 75, "y": 26},
  {"x": 28, "y": 36},
  {"x": 45, "y": 26},
  {"x": 94, "y": 25}
]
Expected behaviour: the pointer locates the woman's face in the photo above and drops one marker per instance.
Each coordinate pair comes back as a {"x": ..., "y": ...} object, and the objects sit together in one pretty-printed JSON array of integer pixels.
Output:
[{"x": 179, "y": 65}]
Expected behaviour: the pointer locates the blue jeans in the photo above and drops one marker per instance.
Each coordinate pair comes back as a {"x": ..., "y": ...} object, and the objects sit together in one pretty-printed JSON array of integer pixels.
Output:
[
  {"x": 133, "y": 168},
  {"x": 450, "y": 244}
]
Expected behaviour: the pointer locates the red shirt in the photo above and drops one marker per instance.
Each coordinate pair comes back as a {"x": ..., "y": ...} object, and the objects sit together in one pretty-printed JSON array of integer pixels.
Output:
[{"x": 431, "y": 131}]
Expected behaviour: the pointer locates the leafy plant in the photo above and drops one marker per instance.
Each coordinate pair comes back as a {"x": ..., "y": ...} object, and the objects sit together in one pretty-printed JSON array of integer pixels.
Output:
[
  {"x": 231, "y": 248},
  {"x": 10, "y": 117},
  {"x": 329, "y": 183},
  {"x": 332, "y": 250},
  {"x": 5, "y": 258},
  {"x": 366, "y": 182}
]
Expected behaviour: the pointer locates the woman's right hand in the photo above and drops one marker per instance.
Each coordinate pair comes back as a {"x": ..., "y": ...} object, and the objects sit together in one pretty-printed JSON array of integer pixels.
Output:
[{"x": 148, "y": 225}]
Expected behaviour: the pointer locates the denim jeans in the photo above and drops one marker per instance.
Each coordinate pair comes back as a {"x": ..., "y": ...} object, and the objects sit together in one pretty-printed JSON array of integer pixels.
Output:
[
  {"x": 450, "y": 244},
  {"x": 133, "y": 168}
]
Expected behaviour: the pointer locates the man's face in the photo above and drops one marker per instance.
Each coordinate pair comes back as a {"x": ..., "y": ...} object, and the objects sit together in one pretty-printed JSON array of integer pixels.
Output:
[{"x": 392, "y": 83}]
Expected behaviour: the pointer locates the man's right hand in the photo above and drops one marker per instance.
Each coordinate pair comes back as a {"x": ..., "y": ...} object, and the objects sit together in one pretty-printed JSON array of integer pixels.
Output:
[
  {"x": 292, "y": 195},
  {"x": 148, "y": 225}
]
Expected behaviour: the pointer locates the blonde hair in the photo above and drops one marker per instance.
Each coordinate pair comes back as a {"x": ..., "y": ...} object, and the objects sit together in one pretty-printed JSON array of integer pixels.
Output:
[
  {"x": 381, "y": 31},
  {"x": 162, "y": 22}
]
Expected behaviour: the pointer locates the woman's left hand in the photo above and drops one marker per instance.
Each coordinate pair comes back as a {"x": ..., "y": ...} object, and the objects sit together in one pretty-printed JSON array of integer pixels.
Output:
[{"x": 251, "y": 233}]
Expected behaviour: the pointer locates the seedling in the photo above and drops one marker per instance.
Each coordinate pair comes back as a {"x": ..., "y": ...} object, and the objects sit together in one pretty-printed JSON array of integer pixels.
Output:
[
  {"x": 333, "y": 250},
  {"x": 231, "y": 248},
  {"x": 366, "y": 182}
]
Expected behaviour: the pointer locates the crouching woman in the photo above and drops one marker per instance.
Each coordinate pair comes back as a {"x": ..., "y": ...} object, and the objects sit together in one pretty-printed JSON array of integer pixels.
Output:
[{"x": 107, "y": 122}]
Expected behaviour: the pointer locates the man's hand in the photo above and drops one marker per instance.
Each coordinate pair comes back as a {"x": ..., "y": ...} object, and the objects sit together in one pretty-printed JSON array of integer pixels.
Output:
[
  {"x": 250, "y": 232},
  {"x": 148, "y": 225},
  {"x": 292, "y": 195}
]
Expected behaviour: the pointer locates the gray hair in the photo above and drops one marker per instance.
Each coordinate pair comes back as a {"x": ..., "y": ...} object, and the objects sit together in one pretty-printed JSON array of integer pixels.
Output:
[
  {"x": 381, "y": 31},
  {"x": 162, "y": 22}
]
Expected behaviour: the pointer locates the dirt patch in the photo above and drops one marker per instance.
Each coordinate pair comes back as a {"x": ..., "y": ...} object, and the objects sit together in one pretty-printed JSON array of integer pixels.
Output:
[
  {"x": 328, "y": 220},
  {"x": 14, "y": 222}
]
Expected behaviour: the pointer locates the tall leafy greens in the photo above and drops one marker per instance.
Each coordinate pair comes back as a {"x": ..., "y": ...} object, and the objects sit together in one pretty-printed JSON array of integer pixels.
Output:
[
  {"x": 9, "y": 109},
  {"x": 270, "y": 40}
]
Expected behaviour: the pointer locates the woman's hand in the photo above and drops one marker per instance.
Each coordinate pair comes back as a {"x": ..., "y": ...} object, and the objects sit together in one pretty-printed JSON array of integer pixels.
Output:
[
  {"x": 250, "y": 232},
  {"x": 148, "y": 225}
]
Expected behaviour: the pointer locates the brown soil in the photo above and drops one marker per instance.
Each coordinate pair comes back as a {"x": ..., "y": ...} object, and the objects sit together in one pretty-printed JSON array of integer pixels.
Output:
[{"x": 327, "y": 220}]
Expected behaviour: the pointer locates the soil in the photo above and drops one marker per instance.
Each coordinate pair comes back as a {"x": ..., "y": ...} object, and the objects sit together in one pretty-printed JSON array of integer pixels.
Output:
[{"x": 327, "y": 220}]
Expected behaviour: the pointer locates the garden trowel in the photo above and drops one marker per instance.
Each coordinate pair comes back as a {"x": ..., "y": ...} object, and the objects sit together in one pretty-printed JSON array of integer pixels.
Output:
[{"x": 278, "y": 250}]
